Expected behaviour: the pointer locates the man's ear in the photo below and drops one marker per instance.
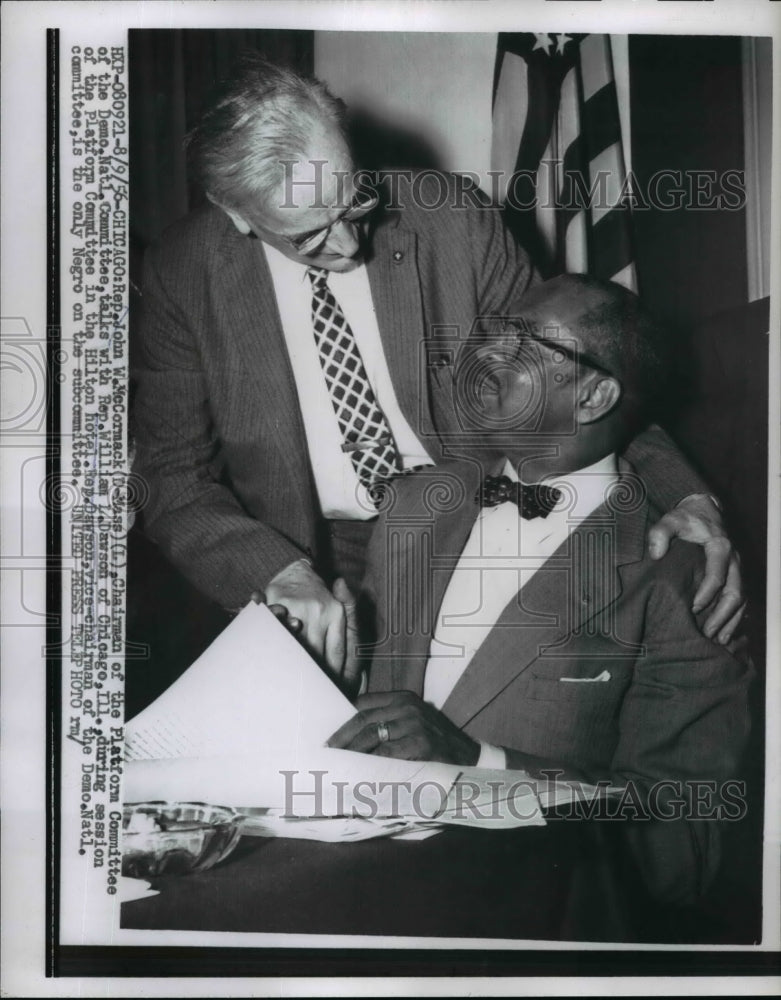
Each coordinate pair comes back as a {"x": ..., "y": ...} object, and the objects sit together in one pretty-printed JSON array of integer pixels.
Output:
[
  {"x": 598, "y": 395},
  {"x": 238, "y": 220}
]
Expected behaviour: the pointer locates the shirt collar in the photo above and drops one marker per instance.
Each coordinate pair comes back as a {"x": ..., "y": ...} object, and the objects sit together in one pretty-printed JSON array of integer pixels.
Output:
[{"x": 283, "y": 269}]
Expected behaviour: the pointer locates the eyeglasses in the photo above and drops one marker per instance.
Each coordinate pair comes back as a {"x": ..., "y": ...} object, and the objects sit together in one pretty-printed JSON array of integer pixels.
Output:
[
  {"x": 309, "y": 243},
  {"x": 524, "y": 340}
]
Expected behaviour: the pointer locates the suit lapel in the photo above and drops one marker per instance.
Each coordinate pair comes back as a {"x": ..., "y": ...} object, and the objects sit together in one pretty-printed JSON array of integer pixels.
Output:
[
  {"x": 250, "y": 306},
  {"x": 580, "y": 580},
  {"x": 435, "y": 523},
  {"x": 394, "y": 279}
]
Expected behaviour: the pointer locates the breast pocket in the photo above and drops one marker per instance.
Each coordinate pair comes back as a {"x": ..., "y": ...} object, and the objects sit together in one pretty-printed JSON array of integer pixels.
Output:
[
  {"x": 573, "y": 720},
  {"x": 562, "y": 683}
]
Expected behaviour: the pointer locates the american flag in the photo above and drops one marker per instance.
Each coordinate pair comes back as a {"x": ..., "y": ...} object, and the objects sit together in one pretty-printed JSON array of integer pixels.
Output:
[{"x": 558, "y": 155}]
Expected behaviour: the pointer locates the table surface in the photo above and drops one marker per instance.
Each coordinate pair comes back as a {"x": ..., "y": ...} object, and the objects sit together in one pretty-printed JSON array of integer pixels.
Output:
[{"x": 556, "y": 882}]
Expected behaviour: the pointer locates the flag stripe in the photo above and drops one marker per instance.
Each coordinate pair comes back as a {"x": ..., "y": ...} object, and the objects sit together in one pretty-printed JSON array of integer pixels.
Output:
[
  {"x": 539, "y": 122},
  {"x": 576, "y": 249},
  {"x": 627, "y": 277},
  {"x": 574, "y": 187},
  {"x": 611, "y": 245},
  {"x": 510, "y": 110},
  {"x": 607, "y": 166},
  {"x": 601, "y": 127},
  {"x": 596, "y": 64},
  {"x": 569, "y": 113}
]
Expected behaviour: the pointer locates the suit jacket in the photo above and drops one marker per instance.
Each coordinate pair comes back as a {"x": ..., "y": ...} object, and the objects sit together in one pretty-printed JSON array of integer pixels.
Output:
[
  {"x": 218, "y": 433},
  {"x": 674, "y": 707}
]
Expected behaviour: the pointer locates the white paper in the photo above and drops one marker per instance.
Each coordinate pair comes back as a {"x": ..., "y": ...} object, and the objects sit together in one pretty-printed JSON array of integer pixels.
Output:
[
  {"x": 307, "y": 783},
  {"x": 329, "y": 782},
  {"x": 246, "y": 725},
  {"x": 254, "y": 691}
]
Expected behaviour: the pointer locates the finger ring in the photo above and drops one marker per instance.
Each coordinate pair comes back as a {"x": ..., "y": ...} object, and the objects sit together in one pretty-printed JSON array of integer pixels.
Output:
[{"x": 382, "y": 732}]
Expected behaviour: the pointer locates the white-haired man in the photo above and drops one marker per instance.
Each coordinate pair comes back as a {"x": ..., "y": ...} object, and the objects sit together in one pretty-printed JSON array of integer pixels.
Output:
[{"x": 296, "y": 352}]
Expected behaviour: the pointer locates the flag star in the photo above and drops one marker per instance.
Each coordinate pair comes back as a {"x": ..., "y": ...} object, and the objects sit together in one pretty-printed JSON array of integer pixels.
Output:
[
  {"x": 561, "y": 41},
  {"x": 543, "y": 42}
]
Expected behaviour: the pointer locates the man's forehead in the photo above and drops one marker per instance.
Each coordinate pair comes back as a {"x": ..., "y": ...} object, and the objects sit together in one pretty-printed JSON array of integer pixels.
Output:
[
  {"x": 318, "y": 186},
  {"x": 326, "y": 158}
]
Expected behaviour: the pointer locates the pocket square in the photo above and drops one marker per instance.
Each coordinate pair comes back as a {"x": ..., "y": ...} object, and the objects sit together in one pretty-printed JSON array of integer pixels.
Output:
[{"x": 604, "y": 676}]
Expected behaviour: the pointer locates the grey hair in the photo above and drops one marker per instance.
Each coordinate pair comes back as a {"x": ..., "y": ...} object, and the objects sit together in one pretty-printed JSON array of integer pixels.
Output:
[{"x": 265, "y": 115}]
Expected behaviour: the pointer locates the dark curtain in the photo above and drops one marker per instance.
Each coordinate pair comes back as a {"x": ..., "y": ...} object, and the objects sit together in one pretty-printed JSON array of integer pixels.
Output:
[
  {"x": 172, "y": 74},
  {"x": 687, "y": 116}
]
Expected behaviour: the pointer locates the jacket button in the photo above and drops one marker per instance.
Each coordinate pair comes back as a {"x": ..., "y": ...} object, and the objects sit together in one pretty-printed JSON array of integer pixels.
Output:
[{"x": 398, "y": 256}]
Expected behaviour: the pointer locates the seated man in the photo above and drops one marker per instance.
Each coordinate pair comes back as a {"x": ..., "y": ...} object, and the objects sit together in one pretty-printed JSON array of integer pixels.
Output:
[{"x": 530, "y": 629}]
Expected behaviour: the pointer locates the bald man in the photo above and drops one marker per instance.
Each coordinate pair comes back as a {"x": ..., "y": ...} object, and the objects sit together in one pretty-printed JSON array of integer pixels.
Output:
[{"x": 521, "y": 621}]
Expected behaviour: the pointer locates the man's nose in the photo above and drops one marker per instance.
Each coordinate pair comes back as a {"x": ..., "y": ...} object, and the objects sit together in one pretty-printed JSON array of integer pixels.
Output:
[{"x": 343, "y": 238}]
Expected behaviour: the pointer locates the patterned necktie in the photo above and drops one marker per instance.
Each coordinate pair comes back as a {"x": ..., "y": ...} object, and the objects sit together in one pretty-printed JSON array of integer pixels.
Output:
[
  {"x": 365, "y": 431},
  {"x": 532, "y": 501}
]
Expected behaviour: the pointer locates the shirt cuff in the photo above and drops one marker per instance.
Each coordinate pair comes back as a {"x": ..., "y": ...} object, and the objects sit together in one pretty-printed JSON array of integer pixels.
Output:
[{"x": 491, "y": 756}]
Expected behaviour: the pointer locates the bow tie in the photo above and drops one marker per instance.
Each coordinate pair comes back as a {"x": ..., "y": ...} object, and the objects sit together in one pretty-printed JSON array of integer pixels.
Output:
[{"x": 532, "y": 501}]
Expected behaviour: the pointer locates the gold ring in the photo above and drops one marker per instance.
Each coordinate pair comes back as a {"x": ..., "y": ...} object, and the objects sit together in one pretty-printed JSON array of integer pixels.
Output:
[{"x": 382, "y": 732}]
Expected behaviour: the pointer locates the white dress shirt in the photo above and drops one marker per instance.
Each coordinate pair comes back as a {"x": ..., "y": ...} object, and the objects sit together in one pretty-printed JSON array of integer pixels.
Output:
[
  {"x": 501, "y": 555},
  {"x": 341, "y": 493}
]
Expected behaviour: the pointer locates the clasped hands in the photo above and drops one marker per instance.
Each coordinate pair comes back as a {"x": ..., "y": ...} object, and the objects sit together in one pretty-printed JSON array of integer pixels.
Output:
[{"x": 325, "y": 621}]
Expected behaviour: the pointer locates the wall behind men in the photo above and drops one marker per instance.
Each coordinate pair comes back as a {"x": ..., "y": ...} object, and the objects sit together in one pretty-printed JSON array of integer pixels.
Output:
[
  {"x": 434, "y": 88},
  {"x": 428, "y": 94}
]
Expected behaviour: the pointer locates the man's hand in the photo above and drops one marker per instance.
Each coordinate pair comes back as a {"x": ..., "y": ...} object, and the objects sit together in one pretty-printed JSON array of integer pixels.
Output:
[
  {"x": 697, "y": 519},
  {"x": 317, "y": 616},
  {"x": 414, "y": 730}
]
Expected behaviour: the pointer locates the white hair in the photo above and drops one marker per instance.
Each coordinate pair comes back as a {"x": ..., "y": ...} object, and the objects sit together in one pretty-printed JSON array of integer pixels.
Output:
[{"x": 266, "y": 115}]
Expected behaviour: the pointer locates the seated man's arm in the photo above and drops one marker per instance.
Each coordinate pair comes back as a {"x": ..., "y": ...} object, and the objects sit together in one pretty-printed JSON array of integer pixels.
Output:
[
  {"x": 694, "y": 517},
  {"x": 683, "y": 726}
]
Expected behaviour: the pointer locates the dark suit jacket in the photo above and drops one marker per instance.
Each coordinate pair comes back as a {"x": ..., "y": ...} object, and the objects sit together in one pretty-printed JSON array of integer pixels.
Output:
[
  {"x": 674, "y": 707},
  {"x": 218, "y": 433}
]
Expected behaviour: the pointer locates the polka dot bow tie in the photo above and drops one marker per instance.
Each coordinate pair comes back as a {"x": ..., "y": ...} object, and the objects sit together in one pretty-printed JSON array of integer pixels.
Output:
[{"x": 532, "y": 501}]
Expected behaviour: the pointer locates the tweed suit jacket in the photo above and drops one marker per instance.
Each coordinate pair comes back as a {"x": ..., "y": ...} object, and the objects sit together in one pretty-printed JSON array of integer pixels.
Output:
[
  {"x": 217, "y": 428},
  {"x": 674, "y": 706}
]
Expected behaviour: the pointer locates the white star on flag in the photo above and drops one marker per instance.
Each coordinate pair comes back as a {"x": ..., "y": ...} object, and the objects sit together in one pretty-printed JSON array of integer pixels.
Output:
[
  {"x": 561, "y": 41},
  {"x": 543, "y": 42}
]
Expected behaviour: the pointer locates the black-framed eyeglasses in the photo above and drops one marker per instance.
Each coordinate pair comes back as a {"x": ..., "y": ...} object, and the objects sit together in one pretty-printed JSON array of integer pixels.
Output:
[
  {"x": 521, "y": 337},
  {"x": 309, "y": 243}
]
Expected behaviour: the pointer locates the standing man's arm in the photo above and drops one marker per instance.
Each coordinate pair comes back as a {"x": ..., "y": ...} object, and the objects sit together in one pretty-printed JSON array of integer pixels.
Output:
[
  {"x": 693, "y": 516},
  {"x": 503, "y": 269}
]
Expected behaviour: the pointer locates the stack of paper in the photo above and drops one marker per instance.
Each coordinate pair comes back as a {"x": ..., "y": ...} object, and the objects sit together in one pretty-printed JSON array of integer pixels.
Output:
[{"x": 247, "y": 724}]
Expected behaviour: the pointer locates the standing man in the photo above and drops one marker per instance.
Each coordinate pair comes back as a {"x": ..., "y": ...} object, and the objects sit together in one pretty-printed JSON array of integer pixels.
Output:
[{"x": 297, "y": 351}]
